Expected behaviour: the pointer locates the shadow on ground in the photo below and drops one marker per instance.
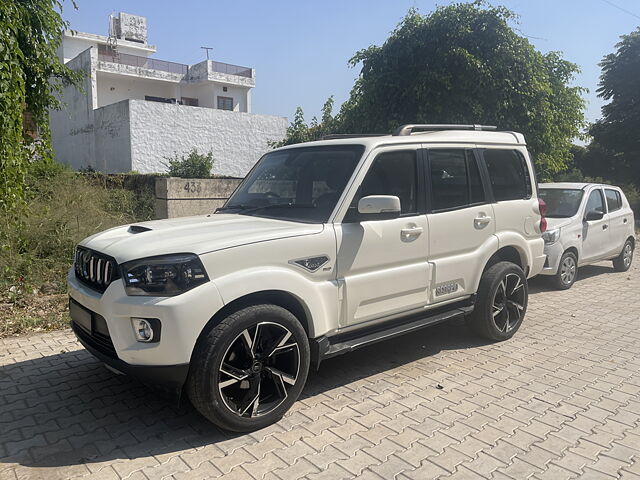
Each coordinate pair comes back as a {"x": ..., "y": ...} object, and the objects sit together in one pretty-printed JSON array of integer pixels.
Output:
[{"x": 68, "y": 409}]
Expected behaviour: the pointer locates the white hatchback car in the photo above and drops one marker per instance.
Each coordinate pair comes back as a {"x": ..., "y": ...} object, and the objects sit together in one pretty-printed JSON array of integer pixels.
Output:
[{"x": 587, "y": 223}]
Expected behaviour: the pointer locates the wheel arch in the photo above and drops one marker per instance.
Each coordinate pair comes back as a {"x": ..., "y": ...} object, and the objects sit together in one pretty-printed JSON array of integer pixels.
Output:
[
  {"x": 573, "y": 250},
  {"x": 508, "y": 253},
  {"x": 281, "y": 298}
]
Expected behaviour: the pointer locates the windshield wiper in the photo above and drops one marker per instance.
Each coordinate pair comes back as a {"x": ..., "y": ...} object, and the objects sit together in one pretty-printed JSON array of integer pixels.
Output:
[
  {"x": 278, "y": 205},
  {"x": 239, "y": 206}
]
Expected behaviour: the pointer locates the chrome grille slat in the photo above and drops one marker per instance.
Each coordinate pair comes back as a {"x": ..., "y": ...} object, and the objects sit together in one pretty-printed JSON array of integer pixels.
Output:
[{"x": 95, "y": 269}]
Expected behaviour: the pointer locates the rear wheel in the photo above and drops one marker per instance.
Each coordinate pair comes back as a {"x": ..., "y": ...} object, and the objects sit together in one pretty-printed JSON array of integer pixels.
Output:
[
  {"x": 622, "y": 263},
  {"x": 249, "y": 369},
  {"x": 501, "y": 302},
  {"x": 567, "y": 271}
]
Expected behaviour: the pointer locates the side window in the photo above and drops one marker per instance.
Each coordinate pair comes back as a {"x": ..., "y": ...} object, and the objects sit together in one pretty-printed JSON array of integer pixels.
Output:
[
  {"x": 613, "y": 199},
  {"x": 595, "y": 201},
  {"x": 392, "y": 173},
  {"x": 508, "y": 174},
  {"x": 455, "y": 179}
]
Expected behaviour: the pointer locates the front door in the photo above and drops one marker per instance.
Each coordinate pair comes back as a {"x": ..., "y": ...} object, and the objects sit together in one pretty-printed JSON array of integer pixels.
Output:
[
  {"x": 382, "y": 266},
  {"x": 595, "y": 233}
]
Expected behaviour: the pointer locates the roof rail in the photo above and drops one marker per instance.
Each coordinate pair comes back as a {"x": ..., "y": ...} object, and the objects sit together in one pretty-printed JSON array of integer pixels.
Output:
[
  {"x": 408, "y": 129},
  {"x": 335, "y": 136}
]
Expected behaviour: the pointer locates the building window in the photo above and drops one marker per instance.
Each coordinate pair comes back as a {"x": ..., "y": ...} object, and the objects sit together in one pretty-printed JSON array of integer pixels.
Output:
[
  {"x": 151, "y": 98},
  {"x": 225, "y": 103},
  {"x": 190, "y": 102}
]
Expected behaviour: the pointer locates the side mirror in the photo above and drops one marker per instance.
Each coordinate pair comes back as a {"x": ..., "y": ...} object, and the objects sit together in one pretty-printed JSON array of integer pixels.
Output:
[
  {"x": 378, "y": 207},
  {"x": 594, "y": 215}
]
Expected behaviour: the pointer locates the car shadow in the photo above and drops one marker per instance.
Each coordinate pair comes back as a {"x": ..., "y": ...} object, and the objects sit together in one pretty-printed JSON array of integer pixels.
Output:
[
  {"x": 68, "y": 409},
  {"x": 542, "y": 283}
]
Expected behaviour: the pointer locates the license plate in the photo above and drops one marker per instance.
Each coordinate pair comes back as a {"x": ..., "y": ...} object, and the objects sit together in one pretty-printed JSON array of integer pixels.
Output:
[{"x": 80, "y": 316}]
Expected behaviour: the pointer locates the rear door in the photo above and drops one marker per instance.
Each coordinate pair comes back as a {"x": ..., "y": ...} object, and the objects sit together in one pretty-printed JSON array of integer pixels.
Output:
[
  {"x": 619, "y": 220},
  {"x": 461, "y": 220}
]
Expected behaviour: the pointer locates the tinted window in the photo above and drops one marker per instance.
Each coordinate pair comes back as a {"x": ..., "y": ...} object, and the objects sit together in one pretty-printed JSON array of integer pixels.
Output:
[
  {"x": 613, "y": 199},
  {"x": 595, "y": 202},
  {"x": 508, "y": 174},
  {"x": 455, "y": 179},
  {"x": 392, "y": 173}
]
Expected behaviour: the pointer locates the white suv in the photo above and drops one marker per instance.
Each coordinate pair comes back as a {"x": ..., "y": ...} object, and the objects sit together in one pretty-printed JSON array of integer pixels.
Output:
[
  {"x": 587, "y": 223},
  {"x": 325, "y": 247}
]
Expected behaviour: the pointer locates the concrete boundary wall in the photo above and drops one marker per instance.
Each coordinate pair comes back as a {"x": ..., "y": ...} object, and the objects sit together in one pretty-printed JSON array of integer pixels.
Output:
[{"x": 181, "y": 197}]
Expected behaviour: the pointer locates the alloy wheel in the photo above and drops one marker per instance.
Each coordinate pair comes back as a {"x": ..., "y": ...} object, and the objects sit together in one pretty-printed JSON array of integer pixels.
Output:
[
  {"x": 568, "y": 270},
  {"x": 508, "y": 302},
  {"x": 627, "y": 255},
  {"x": 258, "y": 369}
]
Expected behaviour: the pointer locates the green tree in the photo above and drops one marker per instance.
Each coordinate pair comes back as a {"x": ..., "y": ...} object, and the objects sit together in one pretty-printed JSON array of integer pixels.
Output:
[
  {"x": 464, "y": 63},
  {"x": 616, "y": 136},
  {"x": 30, "y": 76},
  {"x": 298, "y": 131}
]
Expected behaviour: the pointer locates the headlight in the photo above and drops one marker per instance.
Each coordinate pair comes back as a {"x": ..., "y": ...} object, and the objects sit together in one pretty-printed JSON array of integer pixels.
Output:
[
  {"x": 163, "y": 276},
  {"x": 551, "y": 236}
]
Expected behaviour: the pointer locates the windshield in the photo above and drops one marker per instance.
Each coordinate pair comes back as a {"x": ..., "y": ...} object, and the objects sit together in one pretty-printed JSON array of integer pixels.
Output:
[
  {"x": 299, "y": 184},
  {"x": 561, "y": 202}
]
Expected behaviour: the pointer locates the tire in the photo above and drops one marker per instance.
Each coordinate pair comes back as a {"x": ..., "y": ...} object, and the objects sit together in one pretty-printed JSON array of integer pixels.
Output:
[
  {"x": 622, "y": 262},
  {"x": 498, "y": 323},
  {"x": 250, "y": 368},
  {"x": 567, "y": 272}
]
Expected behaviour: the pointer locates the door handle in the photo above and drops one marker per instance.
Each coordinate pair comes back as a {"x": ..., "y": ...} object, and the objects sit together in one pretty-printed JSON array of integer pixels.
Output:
[
  {"x": 625, "y": 220},
  {"x": 481, "y": 221},
  {"x": 605, "y": 226},
  {"x": 411, "y": 232}
]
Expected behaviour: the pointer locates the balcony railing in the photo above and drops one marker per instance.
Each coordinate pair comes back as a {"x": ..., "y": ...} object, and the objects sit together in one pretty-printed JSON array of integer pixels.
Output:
[
  {"x": 231, "y": 69},
  {"x": 143, "y": 62},
  {"x": 171, "y": 67}
]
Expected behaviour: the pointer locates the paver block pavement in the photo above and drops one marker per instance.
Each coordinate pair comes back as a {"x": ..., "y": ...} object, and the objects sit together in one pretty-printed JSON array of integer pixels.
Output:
[{"x": 559, "y": 400}]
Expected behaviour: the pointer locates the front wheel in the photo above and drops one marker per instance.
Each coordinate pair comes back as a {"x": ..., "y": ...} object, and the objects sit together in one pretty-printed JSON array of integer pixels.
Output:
[
  {"x": 622, "y": 263},
  {"x": 567, "y": 272},
  {"x": 501, "y": 302},
  {"x": 250, "y": 368}
]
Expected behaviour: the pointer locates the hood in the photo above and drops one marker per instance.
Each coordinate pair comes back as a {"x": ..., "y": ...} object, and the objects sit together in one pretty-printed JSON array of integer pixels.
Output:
[
  {"x": 553, "y": 223},
  {"x": 200, "y": 234}
]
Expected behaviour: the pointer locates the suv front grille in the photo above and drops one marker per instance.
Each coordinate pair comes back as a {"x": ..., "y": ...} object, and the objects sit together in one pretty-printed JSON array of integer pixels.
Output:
[{"x": 94, "y": 269}]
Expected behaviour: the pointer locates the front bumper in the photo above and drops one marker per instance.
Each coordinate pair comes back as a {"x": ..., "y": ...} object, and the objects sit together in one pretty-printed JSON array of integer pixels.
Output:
[
  {"x": 168, "y": 377},
  {"x": 554, "y": 253},
  {"x": 110, "y": 336}
]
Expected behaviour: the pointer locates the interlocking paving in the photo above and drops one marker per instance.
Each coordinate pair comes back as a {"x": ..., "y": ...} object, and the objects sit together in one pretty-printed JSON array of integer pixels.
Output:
[{"x": 560, "y": 400}]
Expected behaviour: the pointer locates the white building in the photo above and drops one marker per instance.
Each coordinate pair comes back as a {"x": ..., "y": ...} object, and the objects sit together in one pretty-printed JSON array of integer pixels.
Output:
[{"x": 134, "y": 111}]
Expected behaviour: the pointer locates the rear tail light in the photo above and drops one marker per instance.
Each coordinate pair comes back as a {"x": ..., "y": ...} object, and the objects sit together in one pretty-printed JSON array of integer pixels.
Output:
[{"x": 543, "y": 211}]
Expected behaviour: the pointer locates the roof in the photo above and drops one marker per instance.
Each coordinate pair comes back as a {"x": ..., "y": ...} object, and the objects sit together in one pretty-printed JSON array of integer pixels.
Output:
[
  {"x": 573, "y": 185},
  {"x": 434, "y": 136}
]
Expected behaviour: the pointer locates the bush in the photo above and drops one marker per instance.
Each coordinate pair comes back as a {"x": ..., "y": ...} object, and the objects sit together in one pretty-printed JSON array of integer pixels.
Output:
[{"x": 194, "y": 165}]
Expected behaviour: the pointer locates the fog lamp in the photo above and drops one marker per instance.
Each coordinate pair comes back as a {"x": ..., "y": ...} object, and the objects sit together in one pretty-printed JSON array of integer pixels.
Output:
[{"x": 146, "y": 330}]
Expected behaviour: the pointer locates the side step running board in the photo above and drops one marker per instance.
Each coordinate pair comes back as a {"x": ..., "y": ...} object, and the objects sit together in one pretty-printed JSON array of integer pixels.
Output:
[{"x": 327, "y": 347}]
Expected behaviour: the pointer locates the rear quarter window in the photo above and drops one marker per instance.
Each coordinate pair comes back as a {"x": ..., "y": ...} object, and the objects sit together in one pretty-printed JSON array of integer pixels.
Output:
[{"x": 508, "y": 174}]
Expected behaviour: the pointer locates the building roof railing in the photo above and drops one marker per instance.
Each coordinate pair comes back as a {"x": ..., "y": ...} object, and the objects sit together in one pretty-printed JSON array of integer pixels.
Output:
[
  {"x": 171, "y": 67},
  {"x": 143, "y": 62}
]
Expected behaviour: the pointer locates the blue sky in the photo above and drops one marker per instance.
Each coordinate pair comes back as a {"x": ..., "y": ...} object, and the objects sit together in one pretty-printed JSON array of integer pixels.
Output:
[{"x": 300, "y": 48}]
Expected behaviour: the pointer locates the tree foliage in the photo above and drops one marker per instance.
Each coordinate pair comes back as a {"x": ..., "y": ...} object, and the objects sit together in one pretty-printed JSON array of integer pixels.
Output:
[
  {"x": 299, "y": 131},
  {"x": 616, "y": 136},
  {"x": 463, "y": 63},
  {"x": 30, "y": 76}
]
